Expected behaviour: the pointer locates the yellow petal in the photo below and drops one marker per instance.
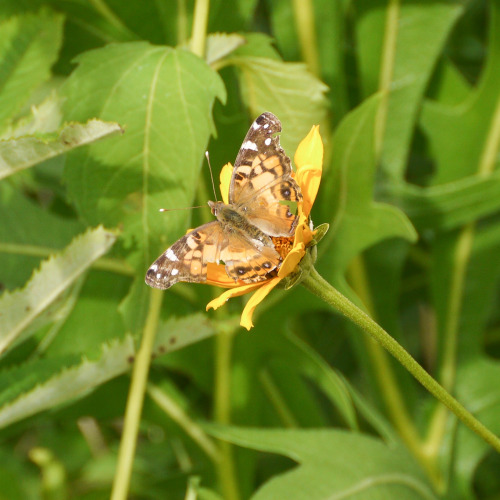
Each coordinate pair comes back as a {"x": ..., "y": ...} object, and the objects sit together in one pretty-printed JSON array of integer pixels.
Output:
[
  {"x": 309, "y": 179},
  {"x": 310, "y": 150},
  {"x": 229, "y": 294},
  {"x": 309, "y": 163},
  {"x": 255, "y": 300},
  {"x": 292, "y": 260},
  {"x": 225, "y": 181}
]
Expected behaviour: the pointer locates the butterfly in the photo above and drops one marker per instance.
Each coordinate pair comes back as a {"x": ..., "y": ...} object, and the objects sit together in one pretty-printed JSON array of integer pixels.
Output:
[{"x": 241, "y": 237}]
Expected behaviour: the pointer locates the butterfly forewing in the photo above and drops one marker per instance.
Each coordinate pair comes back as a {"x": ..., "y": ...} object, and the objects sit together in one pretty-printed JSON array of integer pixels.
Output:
[{"x": 262, "y": 179}]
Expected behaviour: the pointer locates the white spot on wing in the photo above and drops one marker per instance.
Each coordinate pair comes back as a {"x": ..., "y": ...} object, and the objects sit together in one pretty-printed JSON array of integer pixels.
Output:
[
  {"x": 154, "y": 267},
  {"x": 267, "y": 141},
  {"x": 158, "y": 276},
  {"x": 174, "y": 272},
  {"x": 249, "y": 145},
  {"x": 170, "y": 255},
  {"x": 255, "y": 125},
  {"x": 266, "y": 125}
]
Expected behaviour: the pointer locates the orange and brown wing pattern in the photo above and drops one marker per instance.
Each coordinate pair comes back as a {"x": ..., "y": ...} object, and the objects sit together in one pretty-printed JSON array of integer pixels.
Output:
[
  {"x": 262, "y": 178},
  {"x": 246, "y": 260},
  {"x": 187, "y": 258}
]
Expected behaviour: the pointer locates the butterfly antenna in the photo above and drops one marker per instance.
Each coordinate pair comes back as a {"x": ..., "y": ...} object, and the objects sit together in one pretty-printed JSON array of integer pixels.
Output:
[
  {"x": 211, "y": 175},
  {"x": 184, "y": 208}
]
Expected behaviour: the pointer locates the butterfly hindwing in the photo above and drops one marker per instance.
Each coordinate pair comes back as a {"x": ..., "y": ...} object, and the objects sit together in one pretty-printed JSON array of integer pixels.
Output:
[
  {"x": 247, "y": 260},
  {"x": 187, "y": 258}
]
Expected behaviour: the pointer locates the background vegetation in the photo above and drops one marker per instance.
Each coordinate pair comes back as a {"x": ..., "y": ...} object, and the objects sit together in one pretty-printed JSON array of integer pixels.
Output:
[{"x": 106, "y": 109}]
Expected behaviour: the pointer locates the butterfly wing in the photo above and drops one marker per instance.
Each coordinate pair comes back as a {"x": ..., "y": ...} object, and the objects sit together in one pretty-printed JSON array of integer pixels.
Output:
[
  {"x": 262, "y": 178},
  {"x": 187, "y": 258},
  {"x": 247, "y": 260}
]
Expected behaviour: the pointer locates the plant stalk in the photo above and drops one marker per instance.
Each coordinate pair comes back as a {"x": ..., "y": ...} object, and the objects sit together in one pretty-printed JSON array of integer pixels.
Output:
[
  {"x": 315, "y": 283},
  {"x": 135, "y": 399}
]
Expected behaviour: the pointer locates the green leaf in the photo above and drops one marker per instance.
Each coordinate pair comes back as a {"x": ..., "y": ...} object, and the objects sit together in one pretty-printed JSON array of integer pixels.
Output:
[
  {"x": 220, "y": 45},
  {"x": 18, "y": 154},
  {"x": 288, "y": 90},
  {"x": 358, "y": 221},
  {"x": 474, "y": 121},
  {"x": 365, "y": 468},
  {"x": 42, "y": 384},
  {"x": 295, "y": 355},
  {"x": 411, "y": 62},
  {"x": 21, "y": 307},
  {"x": 163, "y": 97},
  {"x": 450, "y": 205},
  {"x": 29, "y": 45},
  {"x": 478, "y": 390}
]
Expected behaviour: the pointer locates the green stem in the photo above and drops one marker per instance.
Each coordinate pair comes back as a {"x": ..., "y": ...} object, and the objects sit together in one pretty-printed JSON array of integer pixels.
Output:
[
  {"x": 136, "y": 399},
  {"x": 386, "y": 71},
  {"x": 200, "y": 22},
  {"x": 182, "y": 32},
  {"x": 387, "y": 382},
  {"x": 317, "y": 285},
  {"x": 303, "y": 11},
  {"x": 222, "y": 412}
]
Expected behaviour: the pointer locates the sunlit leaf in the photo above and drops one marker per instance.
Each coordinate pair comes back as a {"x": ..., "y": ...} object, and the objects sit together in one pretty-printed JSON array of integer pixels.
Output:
[
  {"x": 18, "y": 154},
  {"x": 21, "y": 307}
]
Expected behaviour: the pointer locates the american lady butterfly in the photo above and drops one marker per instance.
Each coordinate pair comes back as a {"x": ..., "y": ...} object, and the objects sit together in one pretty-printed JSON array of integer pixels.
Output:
[{"x": 241, "y": 235}]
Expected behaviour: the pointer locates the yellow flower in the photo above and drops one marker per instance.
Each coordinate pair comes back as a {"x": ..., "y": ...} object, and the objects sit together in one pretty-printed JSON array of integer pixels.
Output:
[{"x": 308, "y": 163}]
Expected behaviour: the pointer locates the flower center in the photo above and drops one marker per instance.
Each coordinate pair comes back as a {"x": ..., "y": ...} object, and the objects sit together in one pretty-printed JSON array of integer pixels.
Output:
[{"x": 282, "y": 245}]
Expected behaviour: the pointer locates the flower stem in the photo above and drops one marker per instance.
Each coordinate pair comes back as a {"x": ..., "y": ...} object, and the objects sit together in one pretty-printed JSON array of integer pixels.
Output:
[
  {"x": 315, "y": 283},
  {"x": 135, "y": 400},
  {"x": 389, "y": 388}
]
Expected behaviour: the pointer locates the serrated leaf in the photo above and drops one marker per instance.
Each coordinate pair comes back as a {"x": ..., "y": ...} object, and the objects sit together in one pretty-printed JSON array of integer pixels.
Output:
[
  {"x": 26, "y": 225},
  {"x": 163, "y": 97},
  {"x": 334, "y": 464},
  {"x": 286, "y": 89},
  {"x": 29, "y": 45},
  {"x": 43, "y": 384},
  {"x": 24, "y": 152},
  {"x": 20, "y": 307},
  {"x": 44, "y": 118}
]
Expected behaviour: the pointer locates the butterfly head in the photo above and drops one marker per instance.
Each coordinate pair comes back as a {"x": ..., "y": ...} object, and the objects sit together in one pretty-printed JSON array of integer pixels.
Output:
[{"x": 216, "y": 207}]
